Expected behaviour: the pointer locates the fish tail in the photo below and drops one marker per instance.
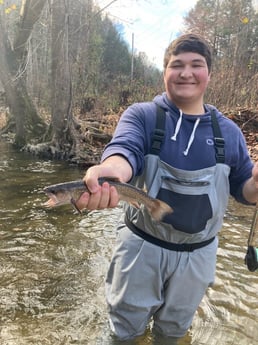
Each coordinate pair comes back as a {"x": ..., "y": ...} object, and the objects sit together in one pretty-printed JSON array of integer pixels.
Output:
[{"x": 159, "y": 209}]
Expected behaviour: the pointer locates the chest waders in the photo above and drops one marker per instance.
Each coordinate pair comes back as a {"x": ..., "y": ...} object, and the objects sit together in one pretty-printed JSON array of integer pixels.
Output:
[
  {"x": 166, "y": 196},
  {"x": 155, "y": 271}
]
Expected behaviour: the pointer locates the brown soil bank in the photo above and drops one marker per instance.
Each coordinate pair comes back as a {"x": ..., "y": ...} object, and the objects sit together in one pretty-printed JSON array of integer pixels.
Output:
[
  {"x": 94, "y": 135},
  {"x": 247, "y": 120}
]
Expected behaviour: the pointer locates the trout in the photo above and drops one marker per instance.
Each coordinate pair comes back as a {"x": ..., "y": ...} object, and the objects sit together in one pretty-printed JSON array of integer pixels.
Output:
[{"x": 70, "y": 192}]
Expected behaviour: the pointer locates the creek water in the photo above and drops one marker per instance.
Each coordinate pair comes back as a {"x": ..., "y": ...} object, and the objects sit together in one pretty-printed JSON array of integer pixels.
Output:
[{"x": 53, "y": 265}]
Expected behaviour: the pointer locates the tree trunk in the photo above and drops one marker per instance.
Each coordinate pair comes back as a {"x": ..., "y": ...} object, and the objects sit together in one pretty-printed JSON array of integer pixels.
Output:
[
  {"x": 64, "y": 136},
  {"x": 27, "y": 123}
]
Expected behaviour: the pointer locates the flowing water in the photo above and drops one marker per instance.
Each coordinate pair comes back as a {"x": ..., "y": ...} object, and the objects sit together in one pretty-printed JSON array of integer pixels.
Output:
[{"x": 53, "y": 265}]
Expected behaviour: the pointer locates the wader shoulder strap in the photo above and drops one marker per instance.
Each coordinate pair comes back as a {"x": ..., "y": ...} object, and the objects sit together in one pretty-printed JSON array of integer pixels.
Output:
[
  {"x": 219, "y": 141},
  {"x": 159, "y": 132}
]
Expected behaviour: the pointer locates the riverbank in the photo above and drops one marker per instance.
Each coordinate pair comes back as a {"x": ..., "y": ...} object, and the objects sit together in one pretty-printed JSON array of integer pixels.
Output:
[
  {"x": 99, "y": 128},
  {"x": 247, "y": 120},
  {"x": 96, "y": 130}
]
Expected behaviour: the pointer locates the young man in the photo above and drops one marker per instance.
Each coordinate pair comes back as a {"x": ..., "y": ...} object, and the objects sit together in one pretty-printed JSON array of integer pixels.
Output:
[{"x": 161, "y": 270}]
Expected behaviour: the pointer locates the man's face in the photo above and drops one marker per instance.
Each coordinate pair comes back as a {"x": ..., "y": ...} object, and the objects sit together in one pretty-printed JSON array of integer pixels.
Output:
[{"x": 186, "y": 78}]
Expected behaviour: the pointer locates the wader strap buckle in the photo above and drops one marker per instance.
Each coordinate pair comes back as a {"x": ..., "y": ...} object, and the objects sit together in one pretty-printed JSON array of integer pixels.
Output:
[
  {"x": 219, "y": 149},
  {"x": 159, "y": 132},
  {"x": 219, "y": 141}
]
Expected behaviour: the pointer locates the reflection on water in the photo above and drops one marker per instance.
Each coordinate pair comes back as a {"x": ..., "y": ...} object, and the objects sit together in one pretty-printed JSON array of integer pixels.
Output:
[
  {"x": 228, "y": 313},
  {"x": 53, "y": 265}
]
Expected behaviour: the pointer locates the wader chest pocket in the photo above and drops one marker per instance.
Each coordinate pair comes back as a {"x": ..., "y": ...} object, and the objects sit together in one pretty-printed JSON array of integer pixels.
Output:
[{"x": 190, "y": 202}]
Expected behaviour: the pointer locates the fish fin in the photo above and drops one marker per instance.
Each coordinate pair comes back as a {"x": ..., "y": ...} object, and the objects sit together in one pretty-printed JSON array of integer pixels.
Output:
[{"x": 73, "y": 202}]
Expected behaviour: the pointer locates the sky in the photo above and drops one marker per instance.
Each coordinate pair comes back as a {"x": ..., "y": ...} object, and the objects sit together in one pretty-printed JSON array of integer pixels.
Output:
[{"x": 148, "y": 25}]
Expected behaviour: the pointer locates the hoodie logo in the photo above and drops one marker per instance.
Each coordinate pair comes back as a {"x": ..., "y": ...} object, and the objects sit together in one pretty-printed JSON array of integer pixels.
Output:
[{"x": 210, "y": 142}]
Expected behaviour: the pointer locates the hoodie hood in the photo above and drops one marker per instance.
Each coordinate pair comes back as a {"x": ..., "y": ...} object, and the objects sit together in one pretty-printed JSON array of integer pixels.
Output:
[
  {"x": 170, "y": 107},
  {"x": 167, "y": 105}
]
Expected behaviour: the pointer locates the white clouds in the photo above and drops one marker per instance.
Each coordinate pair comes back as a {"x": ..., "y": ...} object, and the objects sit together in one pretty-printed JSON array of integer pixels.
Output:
[{"x": 154, "y": 23}]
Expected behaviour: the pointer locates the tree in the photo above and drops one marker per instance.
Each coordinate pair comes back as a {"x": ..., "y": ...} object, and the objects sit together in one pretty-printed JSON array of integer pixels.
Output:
[
  {"x": 27, "y": 123},
  {"x": 73, "y": 56},
  {"x": 63, "y": 132},
  {"x": 231, "y": 28}
]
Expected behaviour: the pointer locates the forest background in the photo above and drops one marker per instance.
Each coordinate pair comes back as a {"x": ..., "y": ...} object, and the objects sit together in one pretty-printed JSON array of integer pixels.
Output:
[{"x": 66, "y": 74}]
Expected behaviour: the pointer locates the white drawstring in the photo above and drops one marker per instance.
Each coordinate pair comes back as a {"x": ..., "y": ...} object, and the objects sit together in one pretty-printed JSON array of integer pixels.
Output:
[
  {"x": 178, "y": 125},
  {"x": 191, "y": 139},
  {"x": 177, "y": 129}
]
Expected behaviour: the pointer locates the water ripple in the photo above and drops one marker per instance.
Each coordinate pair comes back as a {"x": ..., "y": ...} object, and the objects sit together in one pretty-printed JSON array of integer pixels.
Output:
[{"x": 53, "y": 265}]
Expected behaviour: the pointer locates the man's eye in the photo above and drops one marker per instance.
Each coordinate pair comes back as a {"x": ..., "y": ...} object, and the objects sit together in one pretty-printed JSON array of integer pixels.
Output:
[{"x": 197, "y": 66}]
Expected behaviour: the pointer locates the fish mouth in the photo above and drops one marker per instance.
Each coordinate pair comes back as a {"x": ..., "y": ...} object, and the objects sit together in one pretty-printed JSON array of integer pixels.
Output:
[{"x": 52, "y": 201}]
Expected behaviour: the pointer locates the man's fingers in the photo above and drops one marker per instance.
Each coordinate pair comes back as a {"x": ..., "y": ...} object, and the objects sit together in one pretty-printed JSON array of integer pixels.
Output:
[
  {"x": 105, "y": 197},
  {"x": 82, "y": 202},
  {"x": 114, "y": 197}
]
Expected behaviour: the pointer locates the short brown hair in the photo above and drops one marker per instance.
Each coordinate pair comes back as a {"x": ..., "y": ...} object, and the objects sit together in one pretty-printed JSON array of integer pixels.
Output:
[{"x": 188, "y": 43}]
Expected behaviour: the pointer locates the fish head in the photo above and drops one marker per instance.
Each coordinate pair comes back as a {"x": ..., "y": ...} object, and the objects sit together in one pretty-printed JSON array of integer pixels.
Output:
[
  {"x": 64, "y": 193},
  {"x": 57, "y": 197}
]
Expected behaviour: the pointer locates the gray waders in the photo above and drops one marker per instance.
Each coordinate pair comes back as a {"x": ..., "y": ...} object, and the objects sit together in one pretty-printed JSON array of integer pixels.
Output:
[{"x": 161, "y": 270}]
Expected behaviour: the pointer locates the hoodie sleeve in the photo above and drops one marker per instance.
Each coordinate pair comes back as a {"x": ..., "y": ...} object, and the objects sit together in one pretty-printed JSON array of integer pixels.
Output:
[
  {"x": 241, "y": 168},
  {"x": 132, "y": 136}
]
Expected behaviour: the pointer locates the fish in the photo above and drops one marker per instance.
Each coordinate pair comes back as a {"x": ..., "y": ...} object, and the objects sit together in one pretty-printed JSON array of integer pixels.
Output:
[{"x": 70, "y": 192}]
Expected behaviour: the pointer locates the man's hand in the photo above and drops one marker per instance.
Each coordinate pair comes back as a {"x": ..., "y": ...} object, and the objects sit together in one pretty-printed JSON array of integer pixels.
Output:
[
  {"x": 101, "y": 197},
  {"x": 255, "y": 174},
  {"x": 250, "y": 189},
  {"x": 104, "y": 196}
]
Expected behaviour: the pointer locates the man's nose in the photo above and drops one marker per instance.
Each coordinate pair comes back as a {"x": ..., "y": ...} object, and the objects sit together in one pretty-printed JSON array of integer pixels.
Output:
[{"x": 186, "y": 72}]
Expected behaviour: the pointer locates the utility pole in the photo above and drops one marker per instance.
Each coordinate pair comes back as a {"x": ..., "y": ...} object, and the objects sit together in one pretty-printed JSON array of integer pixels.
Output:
[{"x": 132, "y": 59}]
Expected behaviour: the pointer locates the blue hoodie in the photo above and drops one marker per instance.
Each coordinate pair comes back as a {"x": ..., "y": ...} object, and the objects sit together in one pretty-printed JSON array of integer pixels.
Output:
[{"x": 188, "y": 142}]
